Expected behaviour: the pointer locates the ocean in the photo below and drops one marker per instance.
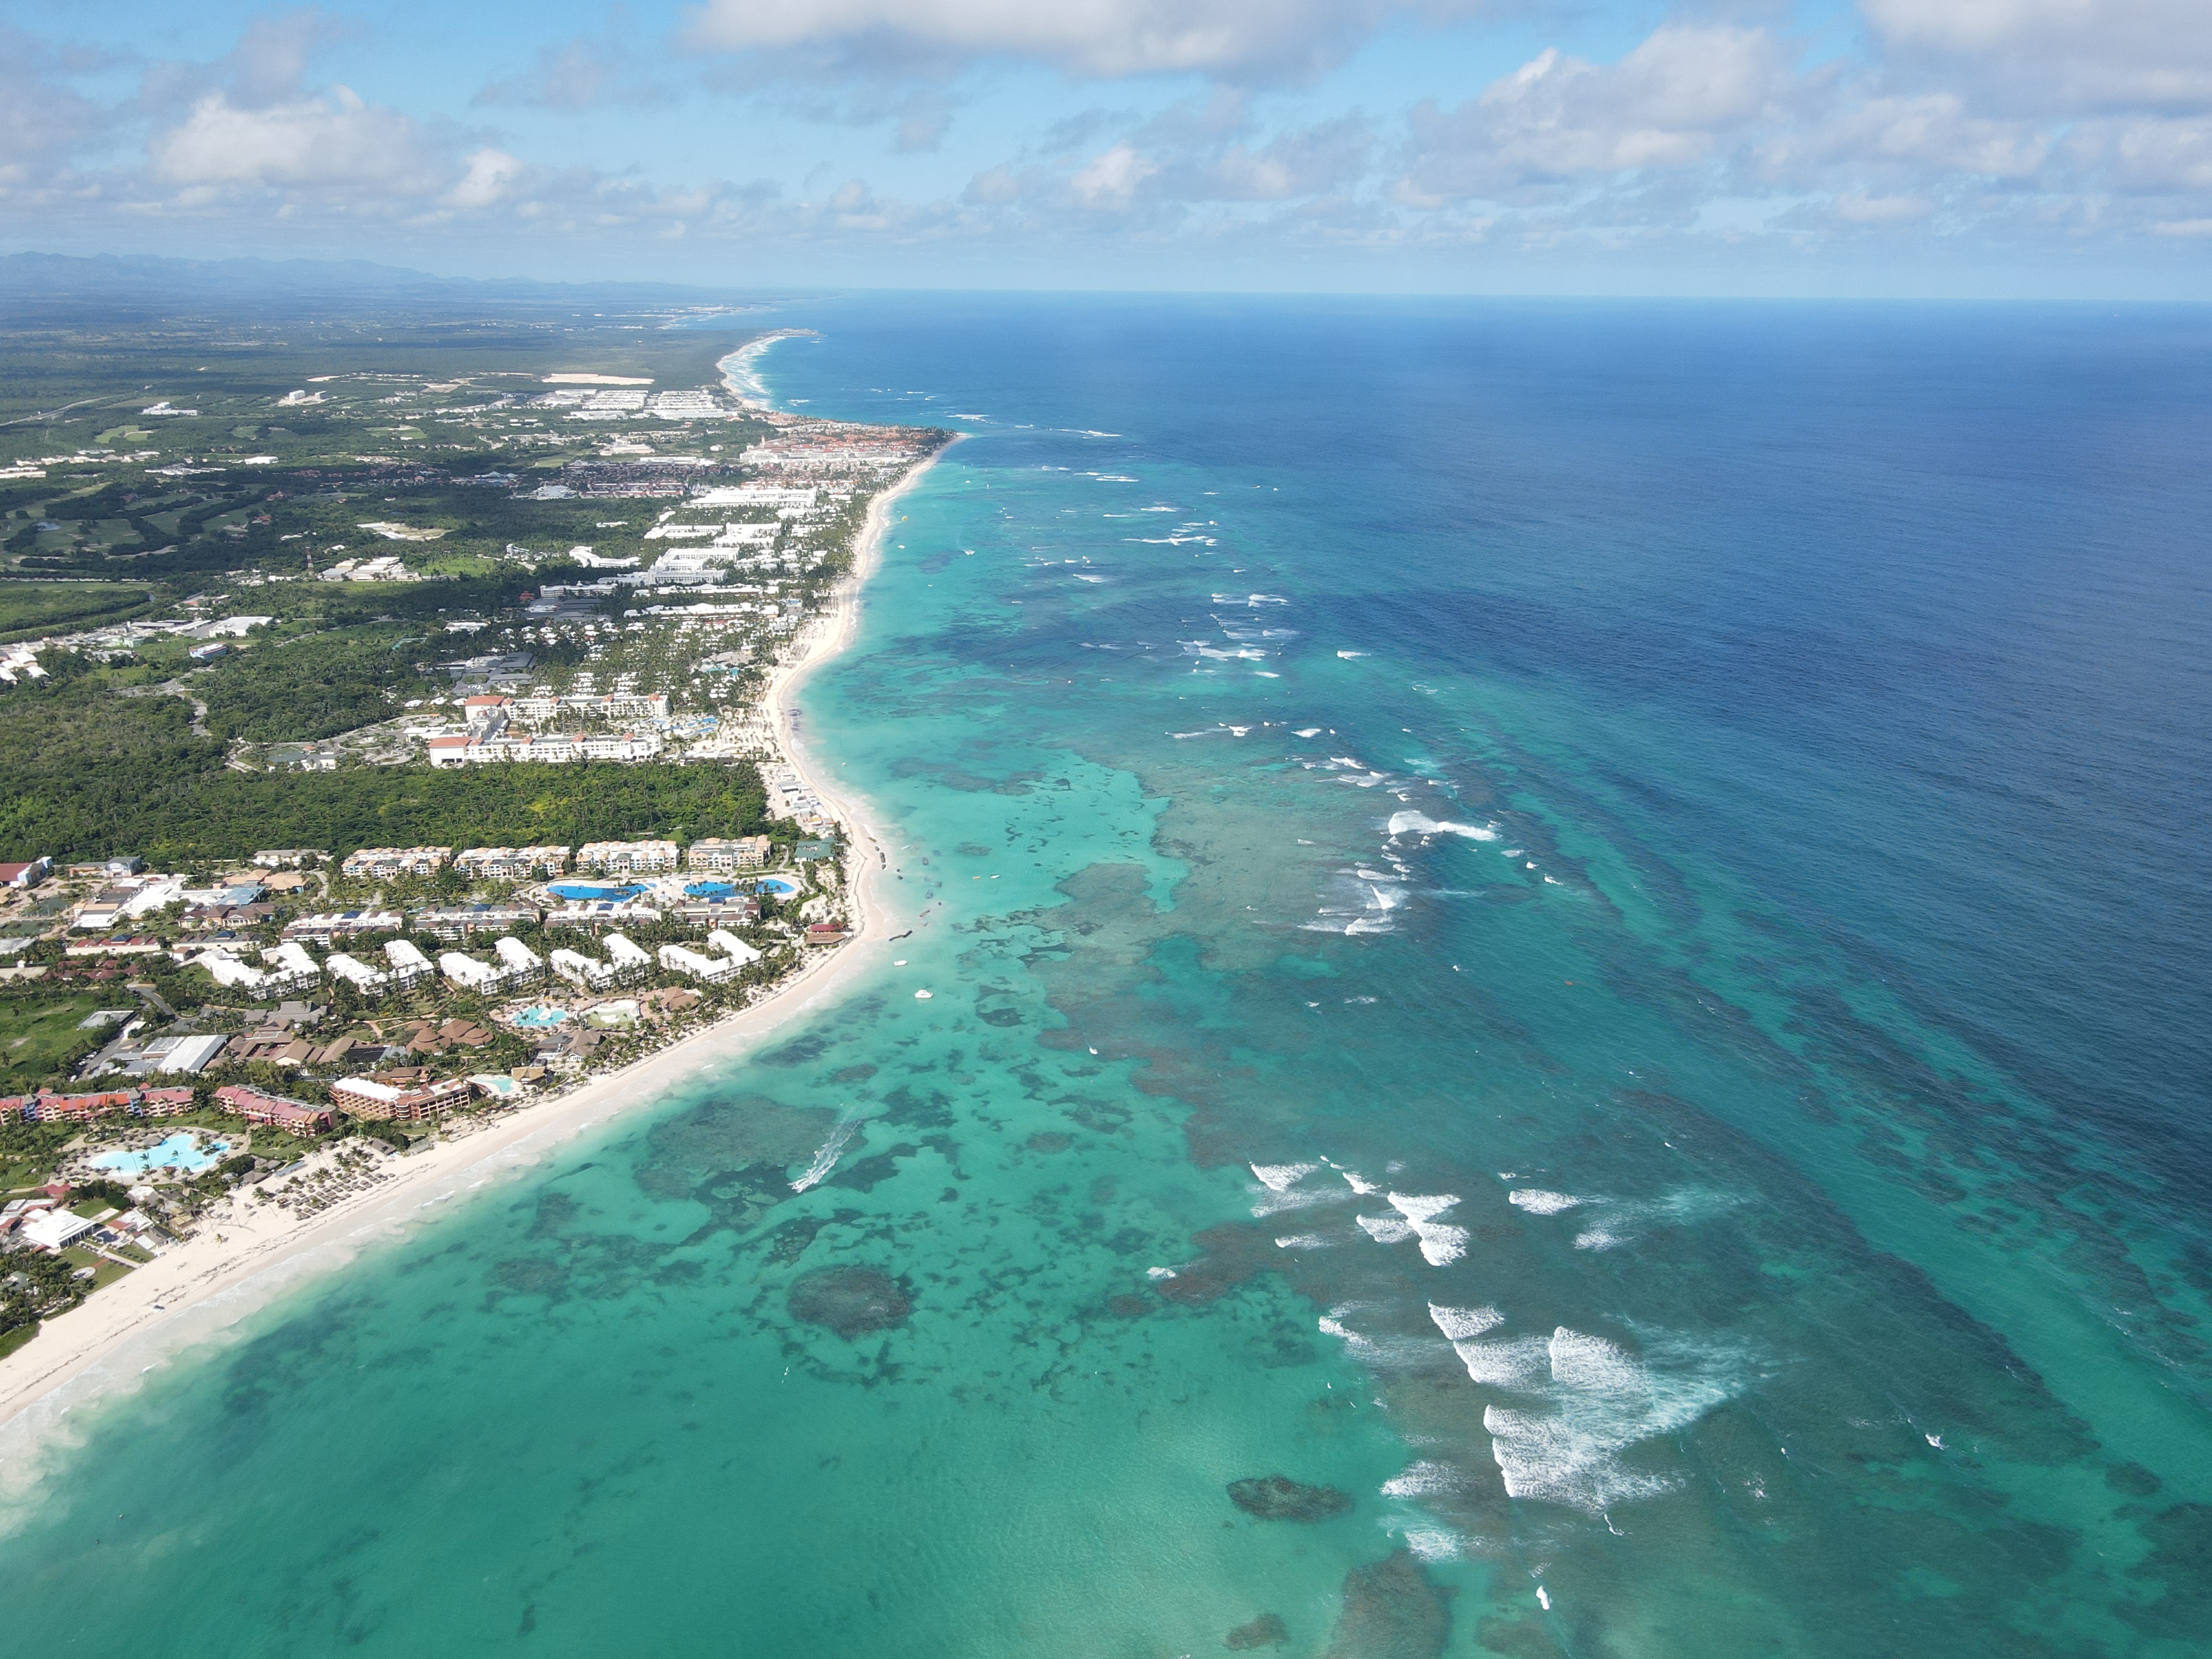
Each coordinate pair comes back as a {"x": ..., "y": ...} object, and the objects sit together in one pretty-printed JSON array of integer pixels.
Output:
[{"x": 1581, "y": 929}]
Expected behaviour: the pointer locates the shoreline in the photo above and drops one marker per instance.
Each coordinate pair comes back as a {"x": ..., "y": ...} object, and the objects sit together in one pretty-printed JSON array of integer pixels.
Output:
[{"x": 209, "y": 1283}]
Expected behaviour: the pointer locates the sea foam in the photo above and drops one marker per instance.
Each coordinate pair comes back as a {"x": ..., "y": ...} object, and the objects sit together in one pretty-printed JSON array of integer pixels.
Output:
[
  {"x": 1599, "y": 1401},
  {"x": 1441, "y": 1242},
  {"x": 1461, "y": 1323},
  {"x": 1537, "y": 1201},
  {"x": 1418, "y": 824}
]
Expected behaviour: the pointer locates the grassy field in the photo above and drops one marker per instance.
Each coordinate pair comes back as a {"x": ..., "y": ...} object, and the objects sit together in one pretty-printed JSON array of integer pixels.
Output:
[
  {"x": 28, "y": 609},
  {"x": 104, "y": 1271},
  {"x": 38, "y": 1036}
]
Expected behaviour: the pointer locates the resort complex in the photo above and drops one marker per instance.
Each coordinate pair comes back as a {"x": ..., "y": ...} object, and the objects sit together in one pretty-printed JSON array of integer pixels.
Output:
[{"x": 200, "y": 1023}]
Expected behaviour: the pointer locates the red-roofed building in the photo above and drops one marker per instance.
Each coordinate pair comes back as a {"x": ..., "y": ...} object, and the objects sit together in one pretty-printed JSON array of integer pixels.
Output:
[
  {"x": 295, "y": 1115},
  {"x": 80, "y": 1108},
  {"x": 367, "y": 1097}
]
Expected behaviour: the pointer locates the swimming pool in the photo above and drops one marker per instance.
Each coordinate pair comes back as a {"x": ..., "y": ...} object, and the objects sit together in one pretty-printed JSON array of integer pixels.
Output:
[
  {"x": 776, "y": 887},
  {"x": 535, "y": 1018},
  {"x": 710, "y": 890},
  {"x": 593, "y": 892},
  {"x": 184, "y": 1151}
]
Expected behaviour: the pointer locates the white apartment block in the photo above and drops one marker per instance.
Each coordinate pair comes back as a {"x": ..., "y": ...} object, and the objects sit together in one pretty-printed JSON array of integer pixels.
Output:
[
  {"x": 628, "y": 858},
  {"x": 512, "y": 863},
  {"x": 377, "y": 862}
]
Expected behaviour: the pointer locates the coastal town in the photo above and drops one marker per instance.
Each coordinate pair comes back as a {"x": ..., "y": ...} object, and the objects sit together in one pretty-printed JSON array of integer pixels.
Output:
[{"x": 197, "y": 1033}]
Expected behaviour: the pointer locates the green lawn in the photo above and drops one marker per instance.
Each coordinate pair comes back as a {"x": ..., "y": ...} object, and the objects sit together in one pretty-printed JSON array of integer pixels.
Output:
[
  {"x": 39, "y": 1034},
  {"x": 104, "y": 1271},
  {"x": 28, "y": 609},
  {"x": 11, "y": 1340}
]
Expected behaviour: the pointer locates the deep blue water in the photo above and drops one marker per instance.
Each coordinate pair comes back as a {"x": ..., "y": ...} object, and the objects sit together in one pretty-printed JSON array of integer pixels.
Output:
[{"x": 1588, "y": 923}]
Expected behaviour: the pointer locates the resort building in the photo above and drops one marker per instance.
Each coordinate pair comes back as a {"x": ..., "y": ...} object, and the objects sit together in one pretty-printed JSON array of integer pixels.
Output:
[
  {"x": 408, "y": 965},
  {"x": 716, "y": 912},
  {"x": 519, "y": 961},
  {"x": 44, "y": 1107},
  {"x": 626, "y": 959},
  {"x": 512, "y": 863},
  {"x": 732, "y": 947},
  {"x": 342, "y": 924},
  {"x": 289, "y": 969},
  {"x": 628, "y": 858},
  {"x": 580, "y": 970},
  {"x": 382, "y": 862},
  {"x": 289, "y": 858},
  {"x": 603, "y": 913},
  {"x": 468, "y": 973},
  {"x": 227, "y": 971},
  {"x": 683, "y": 959},
  {"x": 553, "y": 749},
  {"x": 296, "y": 1116},
  {"x": 616, "y": 707},
  {"x": 355, "y": 972},
  {"x": 55, "y": 1230},
  {"x": 459, "y": 921},
  {"x": 367, "y": 1097},
  {"x": 724, "y": 853}
]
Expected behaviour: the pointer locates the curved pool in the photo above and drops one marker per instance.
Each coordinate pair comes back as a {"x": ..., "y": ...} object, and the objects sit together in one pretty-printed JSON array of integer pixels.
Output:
[
  {"x": 184, "y": 1151},
  {"x": 592, "y": 892},
  {"x": 537, "y": 1018}
]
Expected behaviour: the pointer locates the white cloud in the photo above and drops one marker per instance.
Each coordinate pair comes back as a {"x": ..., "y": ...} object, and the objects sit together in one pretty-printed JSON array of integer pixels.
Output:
[
  {"x": 1111, "y": 178},
  {"x": 1106, "y": 38},
  {"x": 339, "y": 141},
  {"x": 1858, "y": 208},
  {"x": 2058, "y": 55},
  {"x": 1666, "y": 105},
  {"x": 492, "y": 176},
  {"x": 2148, "y": 155}
]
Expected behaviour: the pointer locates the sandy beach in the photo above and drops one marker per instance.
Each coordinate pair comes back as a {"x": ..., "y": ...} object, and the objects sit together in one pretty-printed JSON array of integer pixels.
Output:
[{"x": 234, "y": 1265}]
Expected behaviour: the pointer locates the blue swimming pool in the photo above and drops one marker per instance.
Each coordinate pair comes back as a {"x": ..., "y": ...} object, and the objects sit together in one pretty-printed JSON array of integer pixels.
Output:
[
  {"x": 710, "y": 890},
  {"x": 188, "y": 1152},
  {"x": 535, "y": 1018},
  {"x": 591, "y": 891},
  {"x": 776, "y": 887}
]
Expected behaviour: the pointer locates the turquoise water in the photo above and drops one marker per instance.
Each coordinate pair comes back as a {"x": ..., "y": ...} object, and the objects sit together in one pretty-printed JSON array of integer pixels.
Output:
[
  {"x": 184, "y": 1151},
  {"x": 1583, "y": 924},
  {"x": 534, "y": 1018},
  {"x": 589, "y": 890}
]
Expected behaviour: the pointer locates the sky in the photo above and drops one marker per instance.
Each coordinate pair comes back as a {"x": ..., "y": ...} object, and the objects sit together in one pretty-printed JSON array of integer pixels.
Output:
[{"x": 2007, "y": 148}]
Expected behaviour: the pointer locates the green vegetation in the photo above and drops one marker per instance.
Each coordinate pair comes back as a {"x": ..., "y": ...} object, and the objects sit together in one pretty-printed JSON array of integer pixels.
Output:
[
  {"x": 30, "y": 608},
  {"x": 90, "y": 1198},
  {"x": 15, "y": 1337},
  {"x": 104, "y": 1270},
  {"x": 87, "y": 774},
  {"x": 27, "y": 1152},
  {"x": 37, "y": 1285},
  {"x": 39, "y": 1040},
  {"x": 311, "y": 686}
]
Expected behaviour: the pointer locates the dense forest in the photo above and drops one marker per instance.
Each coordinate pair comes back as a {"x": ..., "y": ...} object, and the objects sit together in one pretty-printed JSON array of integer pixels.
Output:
[
  {"x": 87, "y": 774},
  {"x": 311, "y": 686}
]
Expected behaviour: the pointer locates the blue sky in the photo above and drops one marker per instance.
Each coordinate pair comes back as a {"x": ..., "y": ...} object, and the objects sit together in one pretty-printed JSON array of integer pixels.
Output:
[{"x": 2003, "y": 148}]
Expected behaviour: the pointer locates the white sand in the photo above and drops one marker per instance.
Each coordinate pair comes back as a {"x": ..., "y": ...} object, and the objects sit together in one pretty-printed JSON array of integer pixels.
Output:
[{"x": 233, "y": 1267}]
